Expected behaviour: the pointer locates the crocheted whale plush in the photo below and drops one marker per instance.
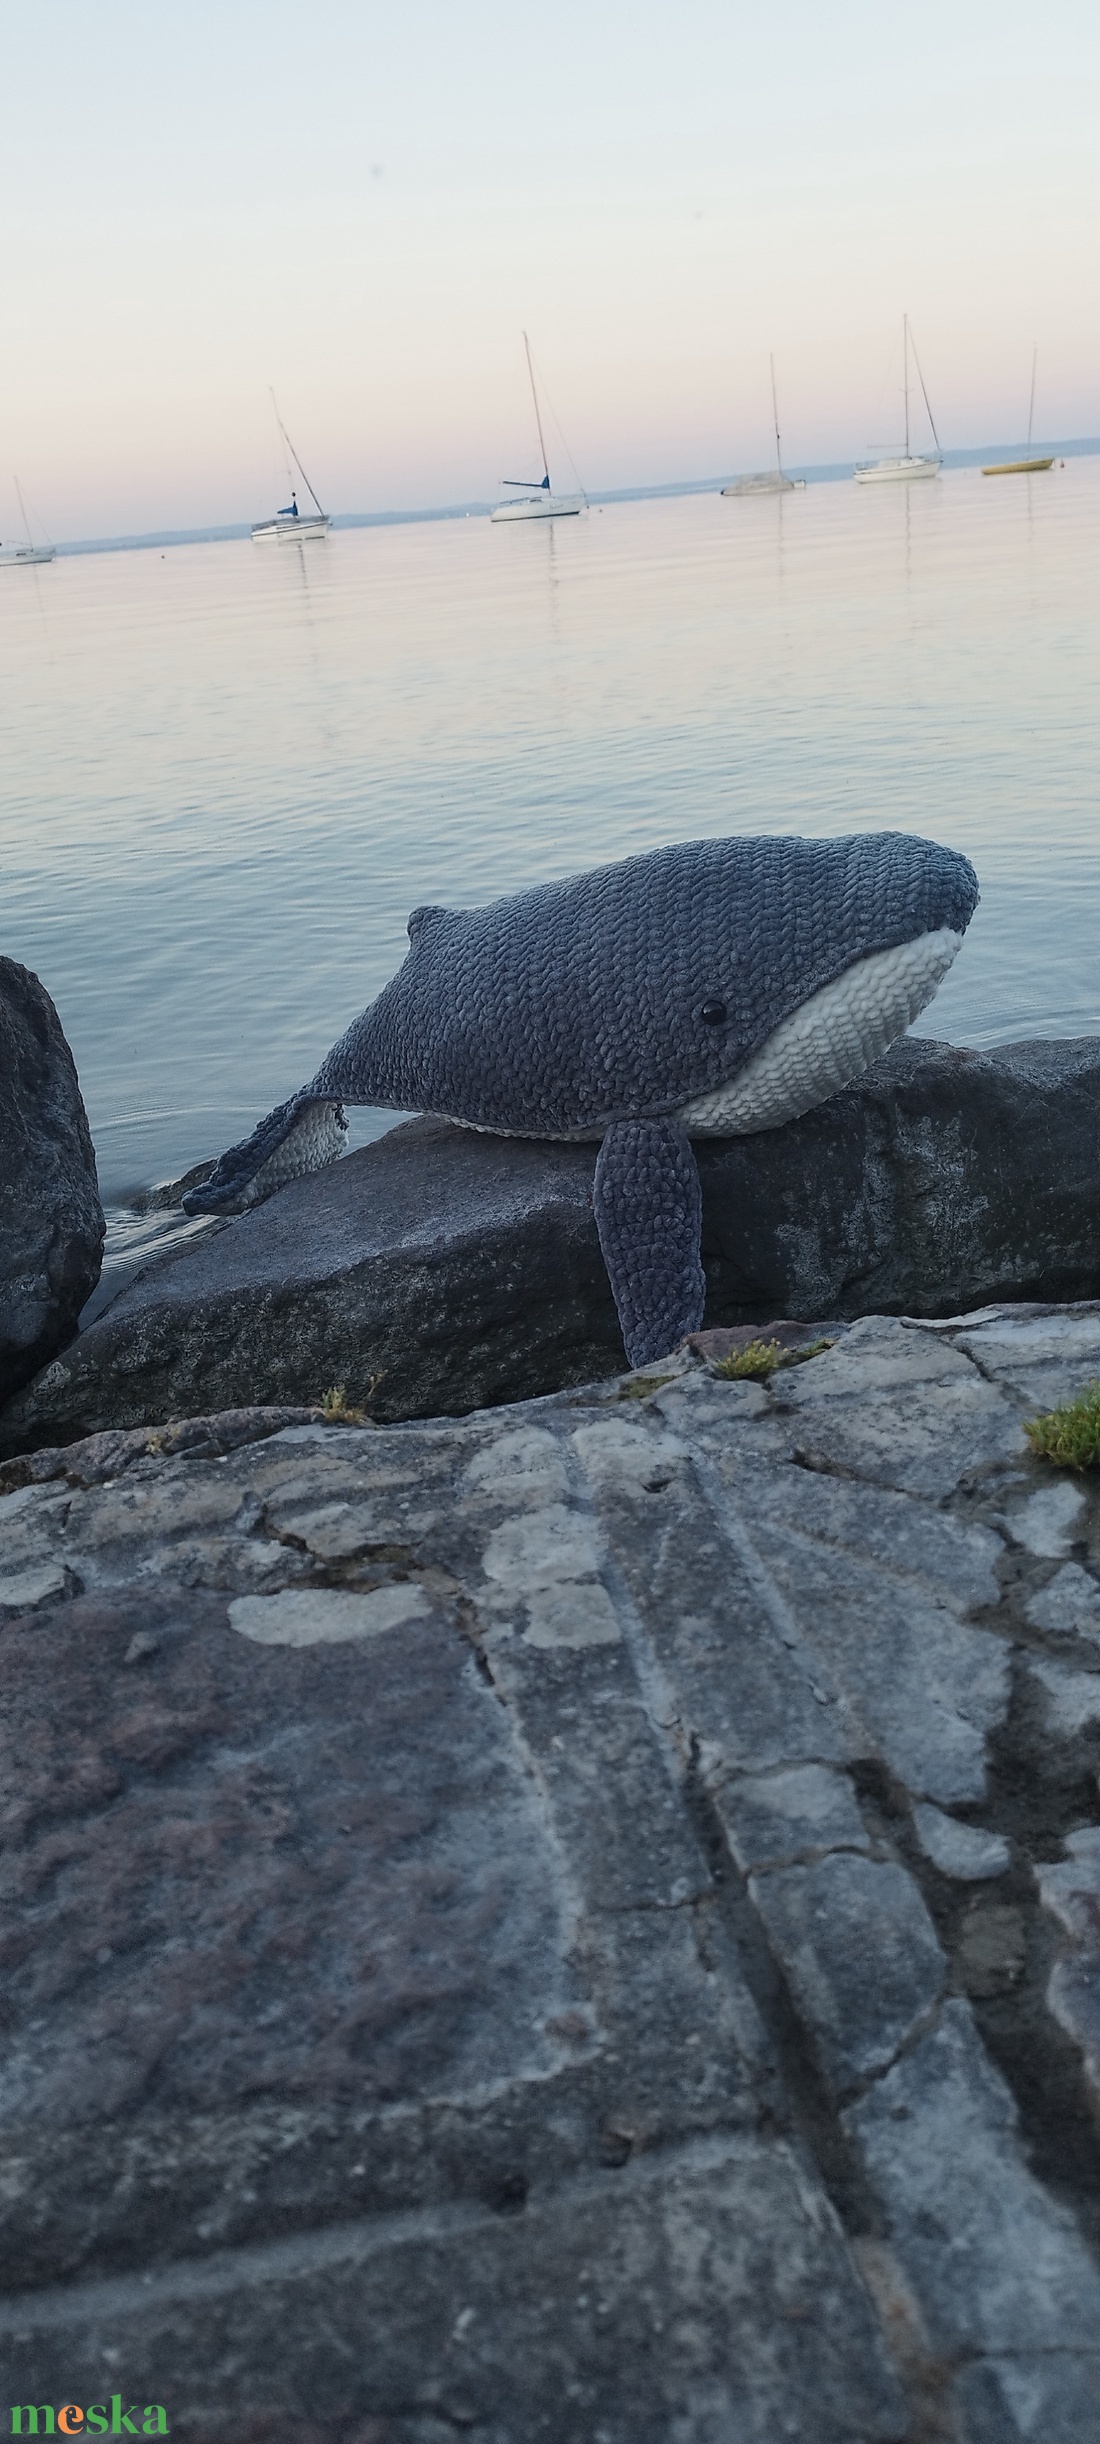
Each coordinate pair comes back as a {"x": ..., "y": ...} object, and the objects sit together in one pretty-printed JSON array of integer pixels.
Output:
[{"x": 711, "y": 989}]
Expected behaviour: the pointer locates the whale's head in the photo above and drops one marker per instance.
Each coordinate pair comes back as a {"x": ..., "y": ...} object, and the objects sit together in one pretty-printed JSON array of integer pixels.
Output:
[
  {"x": 847, "y": 1021},
  {"x": 728, "y": 983}
]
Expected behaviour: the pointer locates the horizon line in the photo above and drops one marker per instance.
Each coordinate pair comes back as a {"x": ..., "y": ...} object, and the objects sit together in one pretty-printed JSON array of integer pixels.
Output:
[{"x": 833, "y": 471}]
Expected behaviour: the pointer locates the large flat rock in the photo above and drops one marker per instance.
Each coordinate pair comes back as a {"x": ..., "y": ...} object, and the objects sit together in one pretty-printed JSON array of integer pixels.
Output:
[
  {"x": 572, "y": 1923},
  {"x": 440, "y": 1270}
]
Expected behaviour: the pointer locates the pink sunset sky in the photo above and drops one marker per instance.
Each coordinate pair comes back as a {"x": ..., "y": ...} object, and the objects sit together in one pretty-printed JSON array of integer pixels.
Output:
[{"x": 365, "y": 206}]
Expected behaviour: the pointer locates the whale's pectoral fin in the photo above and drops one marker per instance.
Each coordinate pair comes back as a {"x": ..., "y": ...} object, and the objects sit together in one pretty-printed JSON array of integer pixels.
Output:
[
  {"x": 649, "y": 1213},
  {"x": 301, "y": 1135}
]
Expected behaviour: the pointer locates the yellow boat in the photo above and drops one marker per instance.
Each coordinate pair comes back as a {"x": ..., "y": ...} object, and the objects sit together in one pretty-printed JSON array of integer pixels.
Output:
[{"x": 1024, "y": 466}]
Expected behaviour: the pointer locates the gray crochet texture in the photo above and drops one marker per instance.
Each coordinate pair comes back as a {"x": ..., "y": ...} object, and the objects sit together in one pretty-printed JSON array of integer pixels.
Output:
[
  {"x": 649, "y": 1214},
  {"x": 580, "y": 1004}
]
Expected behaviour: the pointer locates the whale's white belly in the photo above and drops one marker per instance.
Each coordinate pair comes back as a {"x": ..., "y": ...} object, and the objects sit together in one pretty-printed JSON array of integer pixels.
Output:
[{"x": 826, "y": 1043}]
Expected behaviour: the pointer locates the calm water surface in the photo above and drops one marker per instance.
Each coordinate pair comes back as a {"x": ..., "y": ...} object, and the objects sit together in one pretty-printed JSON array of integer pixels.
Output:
[{"x": 230, "y": 771}]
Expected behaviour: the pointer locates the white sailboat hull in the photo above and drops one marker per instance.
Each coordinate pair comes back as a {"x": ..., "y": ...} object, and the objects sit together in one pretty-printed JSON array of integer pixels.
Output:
[
  {"x": 544, "y": 505},
  {"x": 897, "y": 470},
  {"x": 291, "y": 530},
  {"x": 747, "y": 485},
  {"x": 26, "y": 555}
]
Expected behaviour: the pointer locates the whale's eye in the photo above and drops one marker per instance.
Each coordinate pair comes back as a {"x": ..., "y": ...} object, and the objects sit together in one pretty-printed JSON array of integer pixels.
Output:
[{"x": 713, "y": 1013}]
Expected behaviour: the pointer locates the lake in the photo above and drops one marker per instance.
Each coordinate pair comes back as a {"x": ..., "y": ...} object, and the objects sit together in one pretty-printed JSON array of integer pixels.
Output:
[{"x": 231, "y": 770}]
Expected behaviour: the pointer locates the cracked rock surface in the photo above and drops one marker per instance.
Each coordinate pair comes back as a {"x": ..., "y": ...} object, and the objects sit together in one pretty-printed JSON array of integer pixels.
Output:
[{"x": 578, "y": 1924}]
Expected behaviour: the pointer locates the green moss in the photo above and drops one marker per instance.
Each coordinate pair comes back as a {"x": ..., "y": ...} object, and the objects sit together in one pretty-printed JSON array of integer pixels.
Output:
[
  {"x": 1069, "y": 1436},
  {"x": 335, "y": 1410},
  {"x": 754, "y": 1363},
  {"x": 761, "y": 1359},
  {"x": 641, "y": 1386}
]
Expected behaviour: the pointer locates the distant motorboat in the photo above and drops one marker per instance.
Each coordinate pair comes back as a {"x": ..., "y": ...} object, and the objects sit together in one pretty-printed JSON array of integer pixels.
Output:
[
  {"x": 907, "y": 467},
  {"x": 1024, "y": 466},
  {"x": 769, "y": 481},
  {"x": 293, "y": 525},
  {"x": 539, "y": 499},
  {"x": 28, "y": 555}
]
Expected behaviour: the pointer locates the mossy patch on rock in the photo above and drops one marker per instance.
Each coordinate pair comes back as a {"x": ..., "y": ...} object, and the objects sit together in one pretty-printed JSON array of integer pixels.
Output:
[
  {"x": 1069, "y": 1436},
  {"x": 761, "y": 1359}
]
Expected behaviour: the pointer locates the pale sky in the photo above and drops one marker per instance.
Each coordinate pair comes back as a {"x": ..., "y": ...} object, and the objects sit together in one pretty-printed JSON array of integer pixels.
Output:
[{"x": 366, "y": 205}]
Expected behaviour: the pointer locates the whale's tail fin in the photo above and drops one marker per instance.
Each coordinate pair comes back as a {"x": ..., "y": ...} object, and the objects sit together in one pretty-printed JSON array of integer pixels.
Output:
[{"x": 303, "y": 1134}]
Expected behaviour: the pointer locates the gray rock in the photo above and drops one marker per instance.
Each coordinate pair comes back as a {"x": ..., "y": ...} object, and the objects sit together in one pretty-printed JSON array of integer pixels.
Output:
[
  {"x": 51, "y": 1220},
  {"x": 961, "y": 1851},
  {"x": 703, "y": 2295},
  {"x": 1069, "y": 1605},
  {"x": 1043, "y": 1357},
  {"x": 774, "y": 1820},
  {"x": 102, "y": 1457},
  {"x": 997, "y": 2266},
  {"x": 442, "y": 1268},
  {"x": 448, "y": 1269},
  {"x": 1070, "y": 1700},
  {"x": 451, "y": 1888},
  {"x": 1029, "y": 2399},
  {"x": 1071, "y": 1890},
  {"x": 870, "y": 1591},
  {"x": 828, "y": 1924},
  {"x": 906, "y": 1410},
  {"x": 1048, "y": 1521},
  {"x": 946, "y": 1179}
]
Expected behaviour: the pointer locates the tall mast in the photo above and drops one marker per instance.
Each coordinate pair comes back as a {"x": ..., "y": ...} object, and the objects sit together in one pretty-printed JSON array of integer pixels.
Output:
[
  {"x": 1031, "y": 410},
  {"x": 297, "y": 461},
  {"x": 775, "y": 418},
  {"x": 905, "y": 359},
  {"x": 924, "y": 395},
  {"x": 538, "y": 418}
]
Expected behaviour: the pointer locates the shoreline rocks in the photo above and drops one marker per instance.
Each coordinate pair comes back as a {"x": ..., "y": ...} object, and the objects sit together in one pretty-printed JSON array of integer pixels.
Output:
[
  {"x": 578, "y": 1920},
  {"x": 438, "y": 1270},
  {"x": 51, "y": 1219}
]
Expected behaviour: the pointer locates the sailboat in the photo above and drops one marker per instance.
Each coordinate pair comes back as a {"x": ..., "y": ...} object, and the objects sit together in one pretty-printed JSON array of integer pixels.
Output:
[
  {"x": 29, "y": 554},
  {"x": 766, "y": 481},
  {"x": 908, "y": 469},
  {"x": 1028, "y": 465},
  {"x": 293, "y": 525},
  {"x": 538, "y": 501}
]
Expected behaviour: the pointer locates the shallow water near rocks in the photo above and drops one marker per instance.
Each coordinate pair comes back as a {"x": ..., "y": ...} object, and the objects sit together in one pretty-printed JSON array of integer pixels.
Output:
[{"x": 230, "y": 773}]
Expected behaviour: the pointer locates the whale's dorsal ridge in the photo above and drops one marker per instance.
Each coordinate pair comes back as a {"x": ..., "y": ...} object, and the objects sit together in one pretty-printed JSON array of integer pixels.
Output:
[{"x": 422, "y": 920}]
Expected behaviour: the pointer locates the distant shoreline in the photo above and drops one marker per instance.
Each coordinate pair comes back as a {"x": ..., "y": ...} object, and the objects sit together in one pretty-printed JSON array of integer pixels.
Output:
[{"x": 832, "y": 474}]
